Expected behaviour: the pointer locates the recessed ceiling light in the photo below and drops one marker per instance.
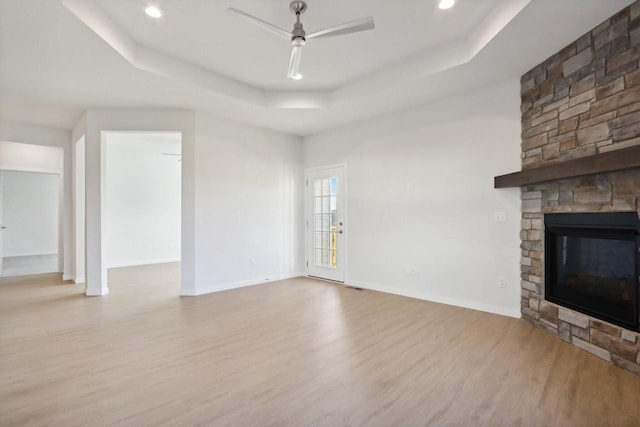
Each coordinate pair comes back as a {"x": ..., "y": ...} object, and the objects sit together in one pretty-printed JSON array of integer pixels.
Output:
[
  {"x": 153, "y": 11},
  {"x": 446, "y": 4},
  {"x": 297, "y": 76}
]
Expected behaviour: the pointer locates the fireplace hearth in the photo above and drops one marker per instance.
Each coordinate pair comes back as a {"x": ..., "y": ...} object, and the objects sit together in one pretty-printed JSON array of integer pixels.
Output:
[{"x": 592, "y": 265}]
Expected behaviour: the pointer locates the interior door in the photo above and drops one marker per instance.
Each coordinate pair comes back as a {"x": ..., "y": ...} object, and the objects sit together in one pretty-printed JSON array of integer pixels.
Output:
[{"x": 325, "y": 223}]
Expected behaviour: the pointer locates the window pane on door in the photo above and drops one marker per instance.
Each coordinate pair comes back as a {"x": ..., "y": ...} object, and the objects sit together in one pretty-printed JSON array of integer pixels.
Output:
[
  {"x": 325, "y": 227},
  {"x": 325, "y": 222}
]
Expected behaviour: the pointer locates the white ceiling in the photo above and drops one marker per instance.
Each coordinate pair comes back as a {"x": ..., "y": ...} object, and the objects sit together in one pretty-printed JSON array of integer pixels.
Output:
[
  {"x": 58, "y": 58},
  {"x": 200, "y": 32}
]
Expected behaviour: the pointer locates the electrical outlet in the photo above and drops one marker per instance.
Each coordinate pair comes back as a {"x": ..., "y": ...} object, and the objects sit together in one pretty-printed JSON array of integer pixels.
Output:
[
  {"x": 500, "y": 216},
  {"x": 410, "y": 270},
  {"x": 410, "y": 185},
  {"x": 502, "y": 282}
]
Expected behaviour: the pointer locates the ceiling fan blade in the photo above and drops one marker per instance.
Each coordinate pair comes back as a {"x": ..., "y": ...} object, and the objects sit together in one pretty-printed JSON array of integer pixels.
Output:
[
  {"x": 294, "y": 63},
  {"x": 263, "y": 24},
  {"x": 363, "y": 24}
]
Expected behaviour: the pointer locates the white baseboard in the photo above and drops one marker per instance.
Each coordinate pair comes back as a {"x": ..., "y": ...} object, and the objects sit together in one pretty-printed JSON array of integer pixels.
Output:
[
  {"x": 235, "y": 285},
  {"x": 142, "y": 262},
  {"x": 13, "y": 255},
  {"x": 489, "y": 308},
  {"x": 503, "y": 311},
  {"x": 78, "y": 280},
  {"x": 68, "y": 277},
  {"x": 96, "y": 292}
]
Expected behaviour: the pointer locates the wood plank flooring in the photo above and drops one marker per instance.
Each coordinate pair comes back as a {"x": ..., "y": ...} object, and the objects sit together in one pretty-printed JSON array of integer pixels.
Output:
[{"x": 298, "y": 352}]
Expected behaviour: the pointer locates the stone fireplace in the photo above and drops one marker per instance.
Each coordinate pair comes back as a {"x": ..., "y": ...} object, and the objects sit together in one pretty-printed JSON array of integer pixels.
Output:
[
  {"x": 583, "y": 101},
  {"x": 592, "y": 264}
]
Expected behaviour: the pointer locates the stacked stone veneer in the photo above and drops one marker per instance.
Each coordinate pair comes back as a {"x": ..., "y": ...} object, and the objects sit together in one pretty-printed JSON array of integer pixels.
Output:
[{"x": 582, "y": 101}]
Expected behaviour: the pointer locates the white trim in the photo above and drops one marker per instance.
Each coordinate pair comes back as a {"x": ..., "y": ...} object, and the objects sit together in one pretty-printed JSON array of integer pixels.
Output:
[
  {"x": 67, "y": 277},
  {"x": 35, "y": 170},
  {"x": 188, "y": 292},
  {"x": 228, "y": 286},
  {"x": 337, "y": 282},
  {"x": 19, "y": 254},
  {"x": 345, "y": 218},
  {"x": 489, "y": 308},
  {"x": 305, "y": 231},
  {"x": 78, "y": 280},
  {"x": 142, "y": 262},
  {"x": 96, "y": 293},
  {"x": 319, "y": 168}
]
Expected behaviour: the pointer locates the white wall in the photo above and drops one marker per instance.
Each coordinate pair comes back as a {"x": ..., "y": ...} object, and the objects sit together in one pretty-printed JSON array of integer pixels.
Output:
[
  {"x": 30, "y": 208},
  {"x": 143, "y": 198},
  {"x": 96, "y": 124},
  {"x": 49, "y": 137},
  {"x": 241, "y": 198},
  {"x": 449, "y": 151},
  {"x": 31, "y": 158},
  {"x": 249, "y": 205}
]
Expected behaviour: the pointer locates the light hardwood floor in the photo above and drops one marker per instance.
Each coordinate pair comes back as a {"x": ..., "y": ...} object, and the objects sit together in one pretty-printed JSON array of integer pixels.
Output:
[{"x": 293, "y": 353}]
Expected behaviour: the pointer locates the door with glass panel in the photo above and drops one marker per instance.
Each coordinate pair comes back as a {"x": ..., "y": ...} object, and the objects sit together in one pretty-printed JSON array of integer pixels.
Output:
[{"x": 325, "y": 223}]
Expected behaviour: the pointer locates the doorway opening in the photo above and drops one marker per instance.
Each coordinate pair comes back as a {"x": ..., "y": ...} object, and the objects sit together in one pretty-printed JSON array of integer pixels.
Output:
[
  {"x": 30, "y": 219},
  {"x": 142, "y": 201},
  {"x": 31, "y": 195}
]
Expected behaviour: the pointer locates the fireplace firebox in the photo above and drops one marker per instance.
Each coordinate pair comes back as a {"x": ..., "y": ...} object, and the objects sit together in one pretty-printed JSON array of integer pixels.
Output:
[{"x": 592, "y": 265}]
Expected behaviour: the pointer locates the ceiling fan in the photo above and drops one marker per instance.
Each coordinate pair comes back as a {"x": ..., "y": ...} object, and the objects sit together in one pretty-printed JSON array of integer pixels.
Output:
[{"x": 299, "y": 37}]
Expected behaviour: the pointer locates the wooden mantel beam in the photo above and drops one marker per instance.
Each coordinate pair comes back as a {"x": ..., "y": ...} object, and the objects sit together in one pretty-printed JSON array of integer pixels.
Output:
[{"x": 626, "y": 158}]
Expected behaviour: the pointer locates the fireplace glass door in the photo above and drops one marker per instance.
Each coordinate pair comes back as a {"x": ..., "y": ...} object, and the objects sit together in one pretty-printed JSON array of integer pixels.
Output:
[{"x": 594, "y": 269}]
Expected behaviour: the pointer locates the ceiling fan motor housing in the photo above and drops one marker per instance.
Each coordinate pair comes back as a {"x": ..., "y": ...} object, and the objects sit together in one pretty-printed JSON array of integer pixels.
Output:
[
  {"x": 298, "y": 7},
  {"x": 298, "y": 34}
]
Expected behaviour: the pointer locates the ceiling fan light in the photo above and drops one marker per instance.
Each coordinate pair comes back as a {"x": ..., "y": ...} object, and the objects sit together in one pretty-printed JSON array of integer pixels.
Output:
[
  {"x": 153, "y": 11},
  {"x": 446, "y": 4},
  {"x": 298, "y": 36}
]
